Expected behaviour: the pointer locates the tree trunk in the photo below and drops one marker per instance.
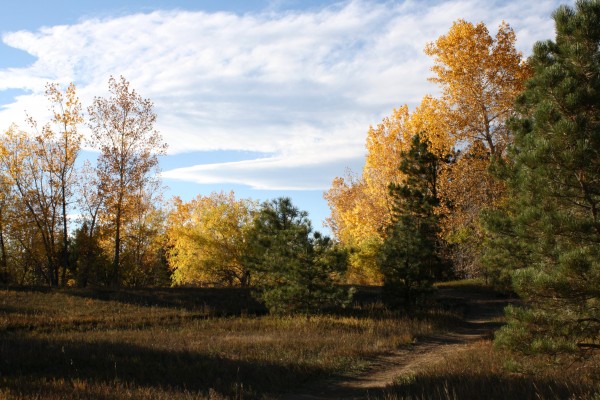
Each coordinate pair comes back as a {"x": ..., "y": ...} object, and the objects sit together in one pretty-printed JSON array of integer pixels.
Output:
[
  {"x": 117, "y": 258},
  {"x": 3, "y": 257},
  {"x": 65, "y": 249}
]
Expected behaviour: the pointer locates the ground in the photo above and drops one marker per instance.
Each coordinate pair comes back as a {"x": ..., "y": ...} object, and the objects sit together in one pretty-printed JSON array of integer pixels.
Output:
[{"x": 483, "y": 311}]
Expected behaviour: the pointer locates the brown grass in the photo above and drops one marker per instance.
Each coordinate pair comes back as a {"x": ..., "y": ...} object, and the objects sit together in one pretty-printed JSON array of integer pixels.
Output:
[
  {"x": 478, "y": 371},
  {"x": 169, "y": 344}
]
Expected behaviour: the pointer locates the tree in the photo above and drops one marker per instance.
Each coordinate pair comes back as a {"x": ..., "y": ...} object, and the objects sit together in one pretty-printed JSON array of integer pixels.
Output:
[
  {"x": 89, "y": 252},
  {"x": 480, "y": 77},
  {"x": 64, "y": 143},
  {"x": 296, "y": 271},
  {"x": 361, "y": 206},
  {"x": 351, "y": 224},
  {"x": 123, "y": 129},
  {"x": 39, "y": 166},
  {"x": 548, "y": 234},
  {"x": 411, "y": 259},
  {"x": 144, "y": 244},
  {"x": 37, "y": 197},
  {"x": 208, "y": 238},
  {"x": 92, "y": 264}
]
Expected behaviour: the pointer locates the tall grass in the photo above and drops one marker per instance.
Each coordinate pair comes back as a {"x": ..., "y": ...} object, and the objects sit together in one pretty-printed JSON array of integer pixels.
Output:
[
  {"x": 477, "y": 371},
  {"x": 168, "y": 344}
]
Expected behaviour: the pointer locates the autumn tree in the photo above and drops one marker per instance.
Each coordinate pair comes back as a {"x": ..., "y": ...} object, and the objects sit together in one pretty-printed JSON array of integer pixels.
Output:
[
  {"x": 90, "y": 261},
  {"x": 144, "y": 252},
  {"x": 123, "y": 130},
  {"x": 37, "y": 197},
  {"x": 5, "y": 217},
  {"x": 480, "y": 77},
  {"x": 547, "y": 235},
  {"x": 360, "y": 206},
  {"x": 60, "y": 153},
  {"x": 207, "y": 239},
  {"x": 39, "y": 166}
]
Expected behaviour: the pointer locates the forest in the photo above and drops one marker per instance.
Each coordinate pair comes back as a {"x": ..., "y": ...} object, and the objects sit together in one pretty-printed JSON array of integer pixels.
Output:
[{"x": 491, "y": 188}]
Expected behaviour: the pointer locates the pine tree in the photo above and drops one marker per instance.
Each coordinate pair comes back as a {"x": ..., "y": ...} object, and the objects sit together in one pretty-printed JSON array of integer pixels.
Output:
[
  {"x": 411, "y": 258},
  {"x": 547, "y": 239},
  {"x": 296, "y": 270}
]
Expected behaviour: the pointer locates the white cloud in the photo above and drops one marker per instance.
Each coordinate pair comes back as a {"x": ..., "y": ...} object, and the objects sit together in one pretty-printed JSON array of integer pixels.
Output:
[{"x": 303, "y": 86}]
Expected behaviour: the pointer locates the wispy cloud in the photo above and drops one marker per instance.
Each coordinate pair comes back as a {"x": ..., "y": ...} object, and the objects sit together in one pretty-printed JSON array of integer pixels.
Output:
[{"x": 302, "y": 86}]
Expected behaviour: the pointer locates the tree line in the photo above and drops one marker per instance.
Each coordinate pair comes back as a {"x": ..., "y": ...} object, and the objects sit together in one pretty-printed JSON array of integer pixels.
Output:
[
  {"x": 498, "y": 177},
  {"x": 42, "y": 187},
  {"x": 125, "y": 234}
]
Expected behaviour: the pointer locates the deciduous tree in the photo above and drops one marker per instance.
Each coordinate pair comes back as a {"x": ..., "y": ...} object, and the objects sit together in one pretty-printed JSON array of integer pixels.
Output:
[
  {"x": 123, "y": 130},
  {"x": 480, "y": 77},
  {"x": 61, "y": 148},
  {"x": 39, "y": 166},
  {"x": 207, "y": 240}
]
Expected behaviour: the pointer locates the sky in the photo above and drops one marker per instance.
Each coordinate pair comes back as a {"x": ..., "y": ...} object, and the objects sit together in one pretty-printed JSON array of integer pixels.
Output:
[{"x": 267, "y": 98}]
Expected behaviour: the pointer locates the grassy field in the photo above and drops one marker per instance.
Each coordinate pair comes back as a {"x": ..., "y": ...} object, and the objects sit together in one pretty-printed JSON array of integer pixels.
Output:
[
  {"x": 478, "y": 371},
  {"x": 186, "y": 343},
  {"x": 219, "y": 343}
]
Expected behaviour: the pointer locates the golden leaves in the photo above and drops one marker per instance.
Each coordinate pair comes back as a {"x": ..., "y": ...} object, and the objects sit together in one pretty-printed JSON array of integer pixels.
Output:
[
  {"x": 480, "y": 76},
  {"x": 207, "y": 239}
]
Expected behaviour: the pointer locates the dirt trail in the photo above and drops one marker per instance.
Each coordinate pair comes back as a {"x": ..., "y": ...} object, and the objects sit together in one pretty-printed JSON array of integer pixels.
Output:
[{"x": 481, "y": 311}]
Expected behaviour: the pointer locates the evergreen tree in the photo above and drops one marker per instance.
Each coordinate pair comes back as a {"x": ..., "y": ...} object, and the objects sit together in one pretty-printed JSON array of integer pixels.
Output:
[
  {"x": 294, "y": 269},
  {"x": 547, "y": 239},
  {"x": 411, "y": 259}
]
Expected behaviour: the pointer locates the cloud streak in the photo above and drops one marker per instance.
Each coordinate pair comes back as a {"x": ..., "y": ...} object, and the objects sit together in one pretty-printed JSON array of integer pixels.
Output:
[{"x": 301, "y": 86}]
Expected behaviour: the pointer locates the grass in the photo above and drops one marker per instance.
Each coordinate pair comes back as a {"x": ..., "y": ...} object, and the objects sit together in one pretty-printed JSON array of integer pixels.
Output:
[
  {"x": 180, "y": 344},
  {"x": 480, "y": 372},
  {"x": 220, "y": 343}
]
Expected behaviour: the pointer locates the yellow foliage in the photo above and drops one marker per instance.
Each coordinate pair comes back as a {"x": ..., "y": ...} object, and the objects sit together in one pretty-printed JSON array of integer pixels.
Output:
[
  {"x": 480, "y": 76},
  {"x": 207, "y": 238}
]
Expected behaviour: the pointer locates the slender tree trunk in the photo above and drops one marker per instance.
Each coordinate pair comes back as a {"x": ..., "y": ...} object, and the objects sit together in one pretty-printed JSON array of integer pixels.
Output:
[
  {"x": 3, "y": 257},
  {"x": 117, "y": 258},
  {"x": 65, "y": 249}
]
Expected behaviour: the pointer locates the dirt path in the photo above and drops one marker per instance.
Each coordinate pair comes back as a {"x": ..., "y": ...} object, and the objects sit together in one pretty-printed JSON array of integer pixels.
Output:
[{"x": 481, "y": 311}]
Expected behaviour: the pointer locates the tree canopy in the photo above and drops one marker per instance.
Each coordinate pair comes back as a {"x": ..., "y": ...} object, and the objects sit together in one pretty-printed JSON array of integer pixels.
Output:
[{"x": 547, "y": 237}]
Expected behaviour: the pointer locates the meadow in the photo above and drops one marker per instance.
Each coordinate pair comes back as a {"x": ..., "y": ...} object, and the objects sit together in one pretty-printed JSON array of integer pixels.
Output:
[
  {"x": 220, "y": 343},
  {"x": 180, "y": 343}
]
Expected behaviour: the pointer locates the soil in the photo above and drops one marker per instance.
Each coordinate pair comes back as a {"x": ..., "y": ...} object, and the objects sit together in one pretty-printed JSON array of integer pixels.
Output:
[{"x": 482, "y": 311}]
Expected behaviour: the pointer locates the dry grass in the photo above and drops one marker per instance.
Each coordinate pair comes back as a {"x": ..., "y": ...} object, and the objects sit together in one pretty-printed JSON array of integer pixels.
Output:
[
  {"x": 478, "y": 371},
  {"x": 174, "y": 345}
]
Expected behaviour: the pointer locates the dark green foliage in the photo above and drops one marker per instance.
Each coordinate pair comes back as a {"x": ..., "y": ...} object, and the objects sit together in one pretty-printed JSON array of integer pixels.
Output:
[
  {"x": 89, "y": 261},
  {"x": 410, "y": 257},
  {"x": 548, "y": 236},
  {"x": 294, "y": 270}
]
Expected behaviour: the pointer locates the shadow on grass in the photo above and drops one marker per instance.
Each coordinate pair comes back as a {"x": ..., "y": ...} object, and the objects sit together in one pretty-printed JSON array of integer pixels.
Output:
[
  {"x": 453, "y": 387},
  {"x": 219, "y": 301},
  {"x": 490, "y": 386},
  {"x": 104, "y": 363}
]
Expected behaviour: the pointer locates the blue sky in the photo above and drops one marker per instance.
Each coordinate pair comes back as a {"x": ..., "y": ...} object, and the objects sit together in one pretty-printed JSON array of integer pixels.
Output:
[{"x": 266, "y": 98}]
